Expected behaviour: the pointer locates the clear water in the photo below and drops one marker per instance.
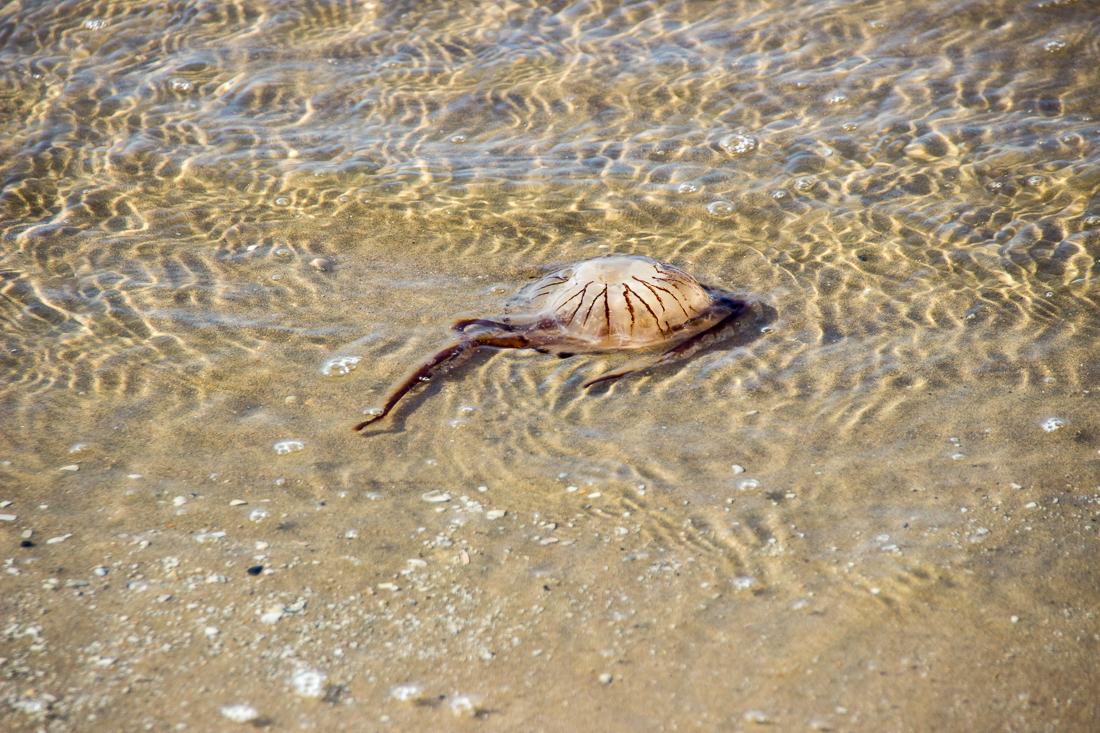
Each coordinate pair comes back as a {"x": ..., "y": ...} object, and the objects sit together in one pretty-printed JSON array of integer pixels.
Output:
[{"x": 226, "y": 228}]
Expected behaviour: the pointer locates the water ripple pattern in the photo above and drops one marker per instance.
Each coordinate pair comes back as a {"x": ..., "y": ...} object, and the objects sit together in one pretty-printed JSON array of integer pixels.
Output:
[{"x": 856, "y": 167}]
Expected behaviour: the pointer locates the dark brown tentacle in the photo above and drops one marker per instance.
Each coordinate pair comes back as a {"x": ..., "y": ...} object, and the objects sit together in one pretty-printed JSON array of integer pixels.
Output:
[
  {"x": 450, "y": 353},
  {"x": 511, "y": 341},
  {"x": 461, "y": 326},
  {"x": 421, "y": 373},
  {"x": 616, "y": 375}
]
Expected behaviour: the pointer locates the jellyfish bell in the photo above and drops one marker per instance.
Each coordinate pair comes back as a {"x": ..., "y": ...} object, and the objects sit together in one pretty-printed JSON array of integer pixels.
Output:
[
  {"x": 616, "y": 301},
  {"x": 609, "y": 303}
]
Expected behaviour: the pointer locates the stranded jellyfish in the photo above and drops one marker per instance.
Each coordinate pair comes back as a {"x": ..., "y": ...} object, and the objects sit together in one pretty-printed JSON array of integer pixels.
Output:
[{"x": 605, "y": 304}]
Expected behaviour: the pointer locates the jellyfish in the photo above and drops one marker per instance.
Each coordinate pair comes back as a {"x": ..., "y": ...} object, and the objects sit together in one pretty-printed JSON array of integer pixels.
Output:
[{"x": 610, "y": 303}]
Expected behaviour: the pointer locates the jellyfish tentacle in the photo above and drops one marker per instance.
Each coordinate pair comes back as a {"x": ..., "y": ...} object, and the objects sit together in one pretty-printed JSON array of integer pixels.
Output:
[
  {"x": 422, "y": 372},
  {"x": 461, "y": 326},
  {"x": 681, "y": 351},
  {"x": 506, "y": 341},
  {"x": 499, "y": 339}
]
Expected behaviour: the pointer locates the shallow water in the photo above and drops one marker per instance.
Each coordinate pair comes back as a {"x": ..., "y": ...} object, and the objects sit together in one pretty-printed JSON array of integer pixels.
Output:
[{"x": 204, "y": 206}]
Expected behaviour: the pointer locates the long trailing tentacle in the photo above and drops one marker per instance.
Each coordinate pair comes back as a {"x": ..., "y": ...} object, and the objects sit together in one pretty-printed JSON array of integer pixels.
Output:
[
  {"x": 450, "y": 353},
  {"x": 681, "y": 351},
  {"x": 421, "y": 373},
  {"x": 461, "y": 326}
]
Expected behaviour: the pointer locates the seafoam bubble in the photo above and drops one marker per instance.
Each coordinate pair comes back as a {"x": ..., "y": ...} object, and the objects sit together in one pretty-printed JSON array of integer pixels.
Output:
[
  {"x": 738, "y": 144},
  {"x": 285, "y": 447},
  {"x": 1053, "y": 423},
  {"x": 30, "y": 707},
  {"x": 272, "y": 615},
  {"x": 747, "y": 484},
  {"x": 258, "y": 515},
  {"x": 465, "y": 705},
  {"x": 757, "y": 716},
  {"x": 182, "y": 85},
  {"x": 340, "y": 366},
  {"x": 240, "y": 713},
  {"x": 407, "y": 693},
  {"x": 687, "y": 188},
  {"x": 743, "y": 582},
  {"x": 309, "y": 683}
]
